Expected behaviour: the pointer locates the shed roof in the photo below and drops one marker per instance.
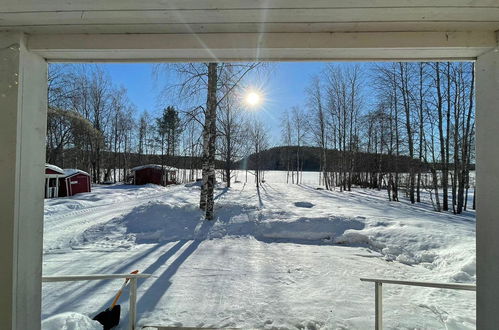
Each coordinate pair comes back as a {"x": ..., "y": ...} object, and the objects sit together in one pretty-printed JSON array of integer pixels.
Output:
[
  {"x": 73, "y": 171},
  {"x": 156, "y": 166},
  {"x": 54, "y": 168}
]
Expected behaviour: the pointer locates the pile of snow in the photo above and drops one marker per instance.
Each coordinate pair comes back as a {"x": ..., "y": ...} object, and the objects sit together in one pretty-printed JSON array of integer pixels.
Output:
[
  {"x": 155, "y": 222},
  {"x": 70, "y": 321}
]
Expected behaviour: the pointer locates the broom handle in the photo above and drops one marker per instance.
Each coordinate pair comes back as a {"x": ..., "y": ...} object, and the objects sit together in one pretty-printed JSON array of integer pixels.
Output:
[{"x": 118, "y": 295}]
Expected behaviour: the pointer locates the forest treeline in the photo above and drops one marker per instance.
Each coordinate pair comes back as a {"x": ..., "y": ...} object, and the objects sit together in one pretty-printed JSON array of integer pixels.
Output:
[
  {"x": 424, "y": 111},
  {"x": 276, "y": 159},
  {"x": 404, "y": 127},
  {"x": 133, "y": 159}
]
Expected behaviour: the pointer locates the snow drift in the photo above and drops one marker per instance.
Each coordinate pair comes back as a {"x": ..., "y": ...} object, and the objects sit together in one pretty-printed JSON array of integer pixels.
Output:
[{"x": 70, "y": 321}]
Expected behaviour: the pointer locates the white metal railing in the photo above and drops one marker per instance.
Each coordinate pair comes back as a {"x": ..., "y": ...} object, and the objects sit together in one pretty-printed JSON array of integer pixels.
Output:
[
  {"x": 378, "y": 293},
  {"x": 132, "y": 314}
]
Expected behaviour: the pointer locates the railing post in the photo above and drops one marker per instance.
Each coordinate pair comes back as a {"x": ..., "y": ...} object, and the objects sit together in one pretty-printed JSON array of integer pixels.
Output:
[
  {"x": 133, "y": 304},
  {"x": 378, "y": 293},
  {"x": 378, "y": 297}
]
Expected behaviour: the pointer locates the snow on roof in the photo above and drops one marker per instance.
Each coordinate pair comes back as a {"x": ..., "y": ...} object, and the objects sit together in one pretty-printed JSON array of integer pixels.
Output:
[
  {"x": 168, "y": 168},
  {"x": 73, "y": 171},
  {"x": 54, "y": 168}
]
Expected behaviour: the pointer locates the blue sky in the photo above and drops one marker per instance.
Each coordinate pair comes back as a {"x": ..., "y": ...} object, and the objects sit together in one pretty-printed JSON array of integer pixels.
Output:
[
  {"x": 284, "y": 87},
  {"x": 137, "y": 79}
]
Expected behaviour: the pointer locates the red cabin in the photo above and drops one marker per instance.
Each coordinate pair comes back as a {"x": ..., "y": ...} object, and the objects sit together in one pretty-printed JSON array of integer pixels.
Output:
[
  {"x": 155, "y": 174},
  {"x": 74, "y": 182}
]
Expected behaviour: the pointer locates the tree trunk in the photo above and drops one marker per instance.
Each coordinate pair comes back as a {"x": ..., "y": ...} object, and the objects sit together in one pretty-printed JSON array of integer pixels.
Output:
[
  {"x": 474, "y": 199},
  {"x": 210, "y": 126},
  {"x": 405, "y": 97},
  {"x": 421, "y": 131},
  {"x": 397, "y": 142},
  {"x": 443, "y": 159},
  {"x": 435, "y": 189}
]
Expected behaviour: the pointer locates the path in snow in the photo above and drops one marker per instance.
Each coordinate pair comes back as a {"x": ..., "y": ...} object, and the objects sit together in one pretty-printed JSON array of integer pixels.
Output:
[
  {"x": 67, "y": 218},
  {"x": 287, "y": 257}
]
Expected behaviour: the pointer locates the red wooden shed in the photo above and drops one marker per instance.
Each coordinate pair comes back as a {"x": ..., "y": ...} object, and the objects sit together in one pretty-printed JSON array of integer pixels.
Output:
[
  {"x": 74, "y": 182},
  {"x": 52, "y": 176},
  {"x": 156, "y": 174}
]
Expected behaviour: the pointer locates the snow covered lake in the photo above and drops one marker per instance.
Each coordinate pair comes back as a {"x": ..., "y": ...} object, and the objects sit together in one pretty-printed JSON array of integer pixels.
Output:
[{"x": 286, "y": 257}]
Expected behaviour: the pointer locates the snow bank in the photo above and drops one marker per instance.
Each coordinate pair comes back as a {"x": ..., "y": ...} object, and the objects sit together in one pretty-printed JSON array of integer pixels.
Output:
[
  {"x": 446, "y": 248},
  {"x": 310, "y": 228},
  {"x": 155, "y": 222},
  {"x": 70, "y": 321}
]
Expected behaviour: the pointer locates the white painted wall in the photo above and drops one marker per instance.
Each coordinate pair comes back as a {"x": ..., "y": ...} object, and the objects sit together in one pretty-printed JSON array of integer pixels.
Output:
[{"x": 23, "y": 108}]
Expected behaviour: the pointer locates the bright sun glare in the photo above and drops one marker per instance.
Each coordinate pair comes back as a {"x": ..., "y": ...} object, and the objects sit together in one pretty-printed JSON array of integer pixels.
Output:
[{"x": 253, "y": 99}]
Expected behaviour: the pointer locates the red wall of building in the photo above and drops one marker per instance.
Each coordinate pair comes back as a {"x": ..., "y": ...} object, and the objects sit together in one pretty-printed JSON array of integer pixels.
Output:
[
  {"x": 152, "y": 175},
  {"x": 148, "y": 175},
  {"x": 74, "y": 184},
  {"x": 49, "y": 171}
]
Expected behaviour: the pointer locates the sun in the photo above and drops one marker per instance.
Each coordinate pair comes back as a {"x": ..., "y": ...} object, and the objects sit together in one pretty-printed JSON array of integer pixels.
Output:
[{"x": 253, "y": 99}]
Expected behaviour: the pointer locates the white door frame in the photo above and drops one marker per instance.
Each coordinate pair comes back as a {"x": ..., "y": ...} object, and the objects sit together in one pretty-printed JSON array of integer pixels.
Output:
[{"x": 24, "y": 104}]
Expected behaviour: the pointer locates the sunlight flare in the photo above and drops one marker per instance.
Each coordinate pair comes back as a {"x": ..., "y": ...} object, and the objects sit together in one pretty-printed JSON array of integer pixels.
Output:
[{"x": 253, "y": 99}]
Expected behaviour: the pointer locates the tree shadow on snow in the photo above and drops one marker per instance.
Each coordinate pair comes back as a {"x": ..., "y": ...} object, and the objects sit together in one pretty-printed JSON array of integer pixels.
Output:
[
  {"x": 223, "y": 191},
  {"x": 260, "y": 202},
  {"x": 78, "y": 291},
  {"x": 149, "y": 270},
  {"x": 153, "y": 294},
  {"x": 160, "y": 223},
  {"x": 382, "y": 204}
]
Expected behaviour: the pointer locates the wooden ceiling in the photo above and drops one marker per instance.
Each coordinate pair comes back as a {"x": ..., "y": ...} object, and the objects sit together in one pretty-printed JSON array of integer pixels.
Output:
[
  {"x": 247, "y": 16},
  {"x": 181, "y": 30}
]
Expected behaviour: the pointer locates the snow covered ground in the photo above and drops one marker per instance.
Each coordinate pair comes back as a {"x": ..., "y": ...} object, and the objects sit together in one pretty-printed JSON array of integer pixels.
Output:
[{"x": 284, "y": 257}]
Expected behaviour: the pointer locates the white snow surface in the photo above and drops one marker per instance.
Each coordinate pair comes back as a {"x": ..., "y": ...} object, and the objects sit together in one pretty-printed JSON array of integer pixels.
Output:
[
  {"x": 73, "y": 171},
  {"x": 54, "y": 168},
  {"x": 168, "y": 168},
  {"x": 70, "y": 321},
  {"x": 284, "y": 257}
]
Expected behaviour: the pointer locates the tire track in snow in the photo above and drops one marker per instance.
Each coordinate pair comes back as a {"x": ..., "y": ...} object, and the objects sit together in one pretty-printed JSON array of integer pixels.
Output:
[
  {"x": 60, "y": 230},
  {"x": 87, "y": 209}
]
